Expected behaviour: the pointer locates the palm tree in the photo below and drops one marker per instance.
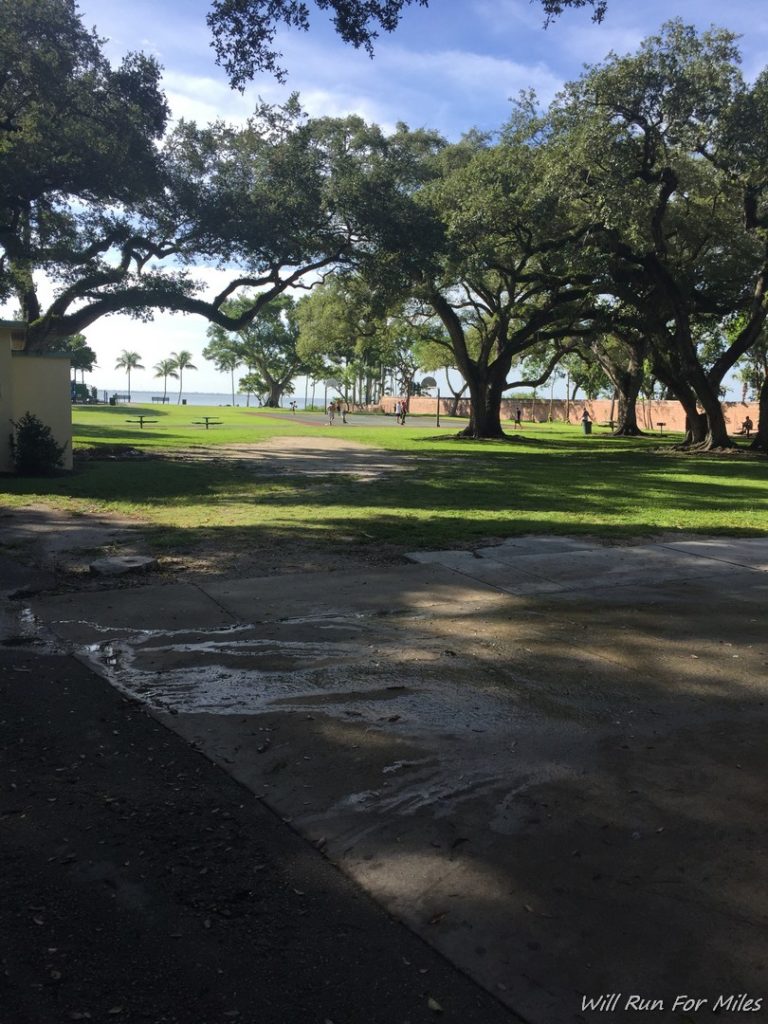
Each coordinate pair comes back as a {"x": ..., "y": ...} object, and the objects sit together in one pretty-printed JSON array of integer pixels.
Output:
[
  {"x": 128, "y": 361},
  {"x": 182, "y": 361},
  {"x": 166, "y": 368}
]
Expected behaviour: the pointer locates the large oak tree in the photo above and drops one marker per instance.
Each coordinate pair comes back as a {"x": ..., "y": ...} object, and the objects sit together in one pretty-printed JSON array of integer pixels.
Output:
[
  {"x": 100, "y": 202},
  {"x": 663, "y": 153}
]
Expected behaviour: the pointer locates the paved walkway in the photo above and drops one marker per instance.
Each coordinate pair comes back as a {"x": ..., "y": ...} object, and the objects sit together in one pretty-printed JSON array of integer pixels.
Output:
[{"x": 547, "y": 757}]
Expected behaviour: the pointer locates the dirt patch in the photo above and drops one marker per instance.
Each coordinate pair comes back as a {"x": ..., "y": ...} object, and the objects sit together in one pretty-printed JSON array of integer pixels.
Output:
[
  {"x": 62, "y": 545},
  {"x": 303, "y": 456},
  {"x": 65, "y": 543}
]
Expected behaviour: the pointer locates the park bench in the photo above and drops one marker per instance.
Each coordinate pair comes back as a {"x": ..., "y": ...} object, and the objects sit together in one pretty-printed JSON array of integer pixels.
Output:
[
  {"x": 160, "y": 398},
  {"x": 609, "y": 423},
  {"x": 141, "y": 420},
  {"x": 207, "y": 421}
]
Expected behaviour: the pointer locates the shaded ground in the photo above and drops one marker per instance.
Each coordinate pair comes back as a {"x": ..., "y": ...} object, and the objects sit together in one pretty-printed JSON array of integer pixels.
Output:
[
  {"x": 547, "y": 757},
  {"x": 142, "y": 884}
]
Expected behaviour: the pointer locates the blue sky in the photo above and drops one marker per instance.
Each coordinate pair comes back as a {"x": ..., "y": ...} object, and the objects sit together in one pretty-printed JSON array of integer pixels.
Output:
[{"x": 451, "y": 66}]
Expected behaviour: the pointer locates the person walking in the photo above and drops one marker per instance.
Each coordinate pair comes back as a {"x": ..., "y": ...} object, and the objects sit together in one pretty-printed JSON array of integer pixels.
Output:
[
  {"x": 518, "y": 419},
  {"x": 331, "y": 413}
]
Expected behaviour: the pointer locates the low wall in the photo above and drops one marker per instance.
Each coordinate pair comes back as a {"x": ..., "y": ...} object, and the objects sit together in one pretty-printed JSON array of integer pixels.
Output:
[{"x": 602, "y": 410}]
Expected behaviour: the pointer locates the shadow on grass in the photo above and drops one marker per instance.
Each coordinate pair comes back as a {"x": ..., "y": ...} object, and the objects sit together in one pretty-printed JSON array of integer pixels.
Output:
[
  {"x": 124, "y": 411},
  {"x": 434, "y": 501},
  {"x": 150, "y": 433}
]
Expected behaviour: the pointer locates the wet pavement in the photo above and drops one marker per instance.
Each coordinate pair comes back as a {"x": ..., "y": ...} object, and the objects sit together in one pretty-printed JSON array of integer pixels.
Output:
[{"x": 546, "y": 757}]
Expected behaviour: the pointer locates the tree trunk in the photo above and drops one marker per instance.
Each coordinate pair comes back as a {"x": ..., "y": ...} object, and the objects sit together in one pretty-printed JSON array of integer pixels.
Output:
[
  {"x": 707, "y": 392},
  {"x": 627, "y": 378},
  {"x": 695, "y": 421},
  {"x": 716, "y": 430},
  {"x": 628, "y": 390},
  {"x": 275, "y": 393},
  {"x": 453, "y": 408},
  {"x": 760, "y": 443},
  {"x": 485, "y": 411},
  {"x": 695, "y": 429}
]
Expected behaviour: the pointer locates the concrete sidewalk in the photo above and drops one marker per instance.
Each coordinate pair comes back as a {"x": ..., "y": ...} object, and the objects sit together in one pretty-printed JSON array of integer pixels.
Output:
[{"x": 559, "y": 784}]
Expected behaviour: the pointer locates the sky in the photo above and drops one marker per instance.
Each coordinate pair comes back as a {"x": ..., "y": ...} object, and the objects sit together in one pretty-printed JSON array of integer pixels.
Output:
[{"x": 452, "y": 66}]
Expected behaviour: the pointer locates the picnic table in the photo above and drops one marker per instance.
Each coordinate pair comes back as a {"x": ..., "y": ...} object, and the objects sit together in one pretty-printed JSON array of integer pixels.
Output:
[
  {"x": 141, "y": 420},
  {"x": 207, "y": 420},
  {"x": 160, "y": 398}
]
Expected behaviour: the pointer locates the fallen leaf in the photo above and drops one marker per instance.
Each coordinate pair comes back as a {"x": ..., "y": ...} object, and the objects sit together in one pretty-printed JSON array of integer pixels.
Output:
[{"x": 434, "y": 1005}]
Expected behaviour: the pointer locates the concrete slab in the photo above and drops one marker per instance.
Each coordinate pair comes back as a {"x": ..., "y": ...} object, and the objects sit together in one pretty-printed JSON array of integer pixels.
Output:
[
  {"x": 564, "y": 796},
  {"x": 86, "y": 618},
  {"x": 749, "y": 552},
  {"x": 513, "y": 547},
  {"x": 591, "y": 571},
  {"x": 415, "y": 590}
]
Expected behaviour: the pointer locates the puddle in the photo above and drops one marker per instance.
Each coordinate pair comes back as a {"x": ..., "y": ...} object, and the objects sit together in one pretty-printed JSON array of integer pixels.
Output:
[{"x": 30, "y": 632}]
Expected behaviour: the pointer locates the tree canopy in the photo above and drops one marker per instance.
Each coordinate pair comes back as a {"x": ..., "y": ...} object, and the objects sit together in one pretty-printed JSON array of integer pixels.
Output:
[
  {"x": 628, "y": 222},
  {"x": 244, "y": 30},
  {"x": 98, "y": 200},
  {"x": 267, "y": 346}
]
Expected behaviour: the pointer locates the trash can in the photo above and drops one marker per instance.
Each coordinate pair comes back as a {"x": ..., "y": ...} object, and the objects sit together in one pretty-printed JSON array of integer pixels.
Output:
[
  {"x": 587, "y": 424},
  {"x": 183, "y": 401}
]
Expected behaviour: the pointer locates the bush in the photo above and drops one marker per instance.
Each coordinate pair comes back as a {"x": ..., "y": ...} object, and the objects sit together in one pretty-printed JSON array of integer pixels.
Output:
[{"x": 34, "y": 448}]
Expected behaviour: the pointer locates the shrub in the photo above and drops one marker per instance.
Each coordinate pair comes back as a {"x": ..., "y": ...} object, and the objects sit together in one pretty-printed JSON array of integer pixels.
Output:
[{"x": 34, "y": 448}]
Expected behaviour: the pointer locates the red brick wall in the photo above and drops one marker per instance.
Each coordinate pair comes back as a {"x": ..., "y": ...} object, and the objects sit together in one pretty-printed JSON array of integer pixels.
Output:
[{"x": 649, "y": 414}]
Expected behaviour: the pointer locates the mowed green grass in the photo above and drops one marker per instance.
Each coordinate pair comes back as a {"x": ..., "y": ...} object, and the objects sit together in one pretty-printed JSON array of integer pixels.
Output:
[{"x": 548, "y": 479}]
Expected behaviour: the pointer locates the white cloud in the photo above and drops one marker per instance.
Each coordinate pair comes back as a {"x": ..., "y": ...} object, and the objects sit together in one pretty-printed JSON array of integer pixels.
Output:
[{"x": 203, "y": 99}]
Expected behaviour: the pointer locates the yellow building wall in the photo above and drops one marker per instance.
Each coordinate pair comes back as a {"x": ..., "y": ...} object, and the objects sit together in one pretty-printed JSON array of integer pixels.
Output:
[
  {"x": 6, "y": 406},
  {"x": 38, "y": 384}
]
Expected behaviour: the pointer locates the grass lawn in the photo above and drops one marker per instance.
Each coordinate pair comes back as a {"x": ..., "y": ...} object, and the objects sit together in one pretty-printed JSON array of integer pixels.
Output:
[{"x": 548, "y": 479}]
